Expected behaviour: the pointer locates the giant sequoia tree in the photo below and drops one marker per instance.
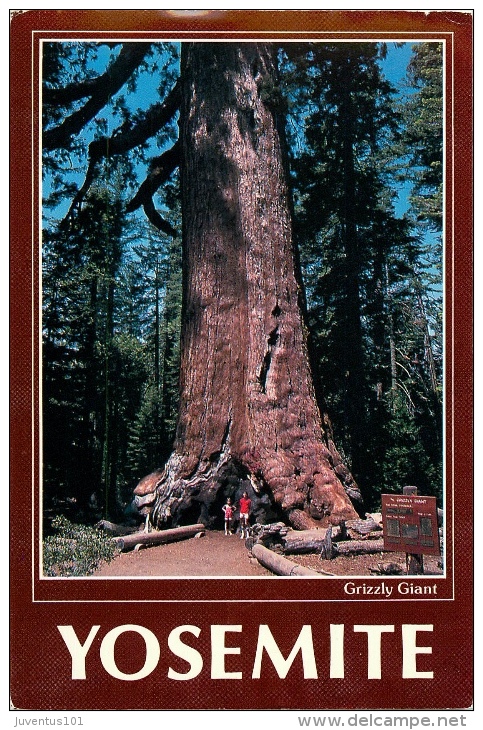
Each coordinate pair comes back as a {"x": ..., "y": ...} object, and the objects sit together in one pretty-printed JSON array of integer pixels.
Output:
[
  {"x": 247, "y": 403},
  {"x": 248, "y": 416}
]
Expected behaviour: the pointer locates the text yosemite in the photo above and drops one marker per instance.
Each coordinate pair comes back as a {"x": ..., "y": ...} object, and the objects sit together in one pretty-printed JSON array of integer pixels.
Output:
[{"x": 221, "y": 642}]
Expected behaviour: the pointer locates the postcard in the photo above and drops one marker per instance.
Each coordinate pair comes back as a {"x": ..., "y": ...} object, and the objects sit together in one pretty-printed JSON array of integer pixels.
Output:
[{"x": 241, "y": 360}]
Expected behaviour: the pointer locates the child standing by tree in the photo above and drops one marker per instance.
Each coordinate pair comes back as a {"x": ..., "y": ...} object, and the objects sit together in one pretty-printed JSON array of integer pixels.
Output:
[{"x": 228, "y": 510}]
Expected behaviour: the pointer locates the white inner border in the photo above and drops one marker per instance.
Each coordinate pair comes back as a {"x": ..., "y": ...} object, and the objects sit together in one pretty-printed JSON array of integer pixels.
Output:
[{"x": 355, "y": 36}]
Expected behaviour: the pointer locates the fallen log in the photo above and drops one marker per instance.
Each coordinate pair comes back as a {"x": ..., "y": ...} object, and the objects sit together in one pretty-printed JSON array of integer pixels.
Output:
[
  {"x": 357, "y": 529},
  {"x": 358, "y": 547},
  {"x": 304, "y": 541},
  {"x": 272, "y": 529},
  {"x": 114, "y": 529},
  {"x": 269, "y": 535},
  {"x": 157, "y": 537},
  {"x": 280, "y": 565}
]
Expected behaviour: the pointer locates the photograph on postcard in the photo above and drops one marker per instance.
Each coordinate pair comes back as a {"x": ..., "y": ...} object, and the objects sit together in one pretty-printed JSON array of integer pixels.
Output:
[{"x": 242, "y": 303}]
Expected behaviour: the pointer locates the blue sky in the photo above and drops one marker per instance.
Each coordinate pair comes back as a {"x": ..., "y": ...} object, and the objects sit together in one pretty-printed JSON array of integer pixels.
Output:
[{"x": 394, "y": 66}]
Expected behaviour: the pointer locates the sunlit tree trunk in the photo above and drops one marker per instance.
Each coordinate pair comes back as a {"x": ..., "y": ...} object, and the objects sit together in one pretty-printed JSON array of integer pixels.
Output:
[{"x": 248, "y": 413}]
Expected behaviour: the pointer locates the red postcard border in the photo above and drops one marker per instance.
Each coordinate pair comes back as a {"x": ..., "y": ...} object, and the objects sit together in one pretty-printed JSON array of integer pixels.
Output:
[{"x": 38, "y": 606}]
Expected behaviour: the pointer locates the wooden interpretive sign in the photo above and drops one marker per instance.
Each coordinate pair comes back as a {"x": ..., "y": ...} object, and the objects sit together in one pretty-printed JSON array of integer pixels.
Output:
[{"x": 410, "y": 524}]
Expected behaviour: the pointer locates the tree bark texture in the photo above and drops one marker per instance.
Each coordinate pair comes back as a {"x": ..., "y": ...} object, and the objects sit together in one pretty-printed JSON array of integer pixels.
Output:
[{"x": 248, "y": 416}]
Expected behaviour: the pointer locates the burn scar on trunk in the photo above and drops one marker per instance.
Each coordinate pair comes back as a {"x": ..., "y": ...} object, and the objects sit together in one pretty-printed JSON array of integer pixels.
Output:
[{"x": 267, "y": 360}]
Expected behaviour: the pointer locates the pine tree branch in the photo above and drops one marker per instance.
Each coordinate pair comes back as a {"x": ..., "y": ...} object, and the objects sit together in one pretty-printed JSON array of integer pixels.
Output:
[
  {"x": 126, "y": 139},
  {"x": 160, "y": 170},
  {"x": 102, "y": 89},
  {"x": 79, "y": 197},
  {"x": 80, "y": 89},
  {"x": 157, "y": 219}
]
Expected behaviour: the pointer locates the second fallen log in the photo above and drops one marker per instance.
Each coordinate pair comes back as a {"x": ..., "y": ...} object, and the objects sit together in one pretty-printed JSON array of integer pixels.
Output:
[
  {"x": 358, "y": 547},
  {"x": 157, "y": 537},
  {"x": 280, "y": 565}
]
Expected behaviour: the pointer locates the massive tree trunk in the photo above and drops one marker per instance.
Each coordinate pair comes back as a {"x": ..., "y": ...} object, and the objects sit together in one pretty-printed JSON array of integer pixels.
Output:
[{"x": 248, "y": 413}]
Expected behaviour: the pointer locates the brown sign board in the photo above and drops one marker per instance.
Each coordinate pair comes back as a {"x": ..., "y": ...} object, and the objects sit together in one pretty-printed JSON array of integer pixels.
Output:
[{"x": 410, "y": 524}]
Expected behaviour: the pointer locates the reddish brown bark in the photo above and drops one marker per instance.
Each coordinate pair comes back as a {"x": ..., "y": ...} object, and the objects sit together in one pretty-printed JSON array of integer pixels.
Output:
[{"x": 248, "y": 408}]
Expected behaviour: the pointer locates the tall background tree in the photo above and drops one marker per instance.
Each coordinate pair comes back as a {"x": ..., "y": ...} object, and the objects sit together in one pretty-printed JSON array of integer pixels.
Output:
[
  {"x": 419, "y": 439},
  {"x": 347, "y": 229}
]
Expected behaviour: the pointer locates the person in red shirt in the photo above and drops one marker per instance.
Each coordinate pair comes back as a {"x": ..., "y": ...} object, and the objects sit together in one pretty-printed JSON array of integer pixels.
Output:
[{"x": 244, "y": 505}]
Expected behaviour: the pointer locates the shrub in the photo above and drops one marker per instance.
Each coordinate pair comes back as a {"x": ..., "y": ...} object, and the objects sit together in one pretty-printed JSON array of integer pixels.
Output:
[{"x": 75, "y": 550}]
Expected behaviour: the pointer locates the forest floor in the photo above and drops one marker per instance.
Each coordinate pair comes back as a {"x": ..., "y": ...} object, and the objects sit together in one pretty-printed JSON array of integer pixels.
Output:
[
  {"x": 215, "y": 554},
  {"x": 354, "y": 565}
]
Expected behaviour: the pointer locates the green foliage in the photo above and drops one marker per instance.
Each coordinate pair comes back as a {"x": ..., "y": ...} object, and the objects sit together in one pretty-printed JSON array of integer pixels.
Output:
[
  {"x": 423, "y": 113},
  {"x": 152, "y": 429},
  {"x": 68, "y": 65},
  {"x": 81, "y": 262},
  {"x": 112, "y": 301},
  {"x": 75, "y": 550},
  {"x": 345, "y": 227},
  {"x": 408, "y": 455}
]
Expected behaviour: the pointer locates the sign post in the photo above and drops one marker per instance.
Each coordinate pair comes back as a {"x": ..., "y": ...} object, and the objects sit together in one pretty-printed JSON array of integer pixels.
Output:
[{"x": 414, "y": 561}]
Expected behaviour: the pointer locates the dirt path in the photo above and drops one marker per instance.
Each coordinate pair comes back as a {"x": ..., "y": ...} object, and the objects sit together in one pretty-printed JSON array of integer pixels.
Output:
[
  {"x": 213, "y": 554},
  {"x": 217, "y": 555}
]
